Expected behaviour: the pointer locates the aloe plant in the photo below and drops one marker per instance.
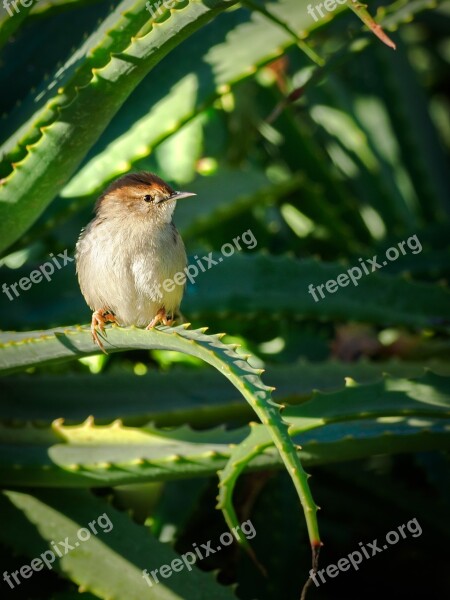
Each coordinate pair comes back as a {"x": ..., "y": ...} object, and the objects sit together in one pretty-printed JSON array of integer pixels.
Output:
[{"x": 327, "y": 140}]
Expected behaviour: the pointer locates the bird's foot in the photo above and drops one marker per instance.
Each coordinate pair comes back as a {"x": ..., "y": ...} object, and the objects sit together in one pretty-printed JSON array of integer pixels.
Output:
[
  {"x": 160, "y": 317},
  {"x": 99, "y": 318}
]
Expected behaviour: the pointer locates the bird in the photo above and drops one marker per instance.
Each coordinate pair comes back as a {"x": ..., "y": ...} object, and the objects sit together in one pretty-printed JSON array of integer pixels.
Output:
[{"x": 130, "y": 259}]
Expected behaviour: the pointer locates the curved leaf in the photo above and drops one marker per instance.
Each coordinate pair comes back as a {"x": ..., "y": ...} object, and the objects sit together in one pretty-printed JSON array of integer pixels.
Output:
[
  {"x": 25, "y": 349},
  {"x": 356, "y": 413}
]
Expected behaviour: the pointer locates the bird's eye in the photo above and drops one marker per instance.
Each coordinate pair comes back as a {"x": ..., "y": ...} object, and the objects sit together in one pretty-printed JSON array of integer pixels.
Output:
[{"x": 148, "y": 198}]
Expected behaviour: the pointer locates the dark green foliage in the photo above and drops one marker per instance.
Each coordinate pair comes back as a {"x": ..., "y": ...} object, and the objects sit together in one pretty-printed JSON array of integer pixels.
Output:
[{"x": 329, "y": 148}]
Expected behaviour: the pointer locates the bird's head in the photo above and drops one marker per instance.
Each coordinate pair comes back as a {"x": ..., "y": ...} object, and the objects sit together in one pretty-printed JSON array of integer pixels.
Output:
[{"x": 144, "y": 196}]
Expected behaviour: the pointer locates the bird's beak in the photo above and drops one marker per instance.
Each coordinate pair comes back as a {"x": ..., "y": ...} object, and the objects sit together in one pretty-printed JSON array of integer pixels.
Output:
[{"x": 179, "y": 195}]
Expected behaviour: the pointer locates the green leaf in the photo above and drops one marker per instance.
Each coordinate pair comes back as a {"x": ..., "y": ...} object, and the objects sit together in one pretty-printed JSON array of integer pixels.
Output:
[
  {"x": 356, "y": 413},
  {"x": 50, "y": 145},
  {"x": 389, "y": 416},
  {"x": 108, "y": 564},
  {"x": 21, "y": 350},
  {"x": 241, "y": 456},
  {"x": 88, "y": 455},
  {"x": 179, "y": 396}
]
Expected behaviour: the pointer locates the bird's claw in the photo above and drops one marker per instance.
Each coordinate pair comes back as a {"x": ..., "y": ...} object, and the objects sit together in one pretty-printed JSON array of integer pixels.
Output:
[
  {"x": 160, "y": 317},
  {"x": 99, "y": 318}
]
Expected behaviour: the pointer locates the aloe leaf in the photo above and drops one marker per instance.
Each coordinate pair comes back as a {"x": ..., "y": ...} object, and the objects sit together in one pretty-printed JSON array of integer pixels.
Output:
[
  {"x": 179, "y": 396},
  {"x": 21, "y": 351},
  {"x": 392, "y": 415},
  {"x": 51, "y": 144},
  {"x": 109, "y": 564},
  {"x": 28, "y": 51},
  {"x": 359, "y": 411},
  {"x": 69, "y": 457},
  {"x": 428, "y": 395},
  {"x": 88, "y": 455},
  {"x": 241, "y": 456},
  {"x": 56, "y": 345}
]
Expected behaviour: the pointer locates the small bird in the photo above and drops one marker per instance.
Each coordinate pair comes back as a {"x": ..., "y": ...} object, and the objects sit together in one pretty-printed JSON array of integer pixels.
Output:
[{"x": 129, "y": 252}]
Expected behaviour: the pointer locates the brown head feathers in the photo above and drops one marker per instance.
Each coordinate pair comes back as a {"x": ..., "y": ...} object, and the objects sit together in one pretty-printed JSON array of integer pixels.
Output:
[{"x": 135, "y": 186}]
